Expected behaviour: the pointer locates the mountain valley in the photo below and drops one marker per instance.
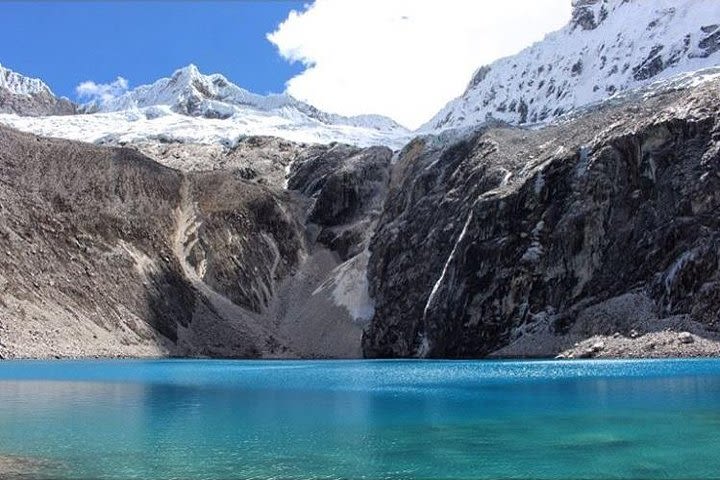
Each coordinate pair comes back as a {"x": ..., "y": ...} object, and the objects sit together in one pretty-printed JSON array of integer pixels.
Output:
[{"x": 534, "y": 216}]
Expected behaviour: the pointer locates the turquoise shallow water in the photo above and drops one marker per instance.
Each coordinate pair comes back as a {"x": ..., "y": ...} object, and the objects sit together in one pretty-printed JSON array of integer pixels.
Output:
[{"x": 364, "y": 420}]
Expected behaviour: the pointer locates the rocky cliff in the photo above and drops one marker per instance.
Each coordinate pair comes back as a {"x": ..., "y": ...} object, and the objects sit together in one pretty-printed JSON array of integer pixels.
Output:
[
  {"x": 525, "y": 242},
  {"x": 596, "y": 235}
]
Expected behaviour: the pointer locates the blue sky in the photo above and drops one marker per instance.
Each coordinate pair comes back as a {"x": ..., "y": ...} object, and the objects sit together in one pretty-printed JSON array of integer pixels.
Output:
[
  {"x": 65, "y": 43},
  {"x": 401, "y": 58}
]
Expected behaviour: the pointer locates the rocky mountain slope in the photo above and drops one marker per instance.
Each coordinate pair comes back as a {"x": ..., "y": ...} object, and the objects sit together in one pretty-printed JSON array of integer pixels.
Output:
[
  {"x": 194, "y": 108},
  {"x": 595, "y": 236},
  {"x": 608, "y": 47},
  {"x": 517, "y": 242},
  {"x": 107, "y": 252},
  {"x": 29, "y": 96}
]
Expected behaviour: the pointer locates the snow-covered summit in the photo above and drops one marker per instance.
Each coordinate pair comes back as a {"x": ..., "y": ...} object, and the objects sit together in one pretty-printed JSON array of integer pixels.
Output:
[
  {"x": 190, "y": 92},
  {"x": 17, "y": 84},
  {"x": 190, "y": 107},
  {"x": 23, "y": 95},
  {"x": 608, "y": 46}
]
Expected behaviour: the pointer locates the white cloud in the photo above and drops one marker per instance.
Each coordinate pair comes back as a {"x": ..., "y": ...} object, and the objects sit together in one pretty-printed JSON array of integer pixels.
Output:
[
  {"x": 404, "y": 58},
  {"x": 101, "y": 92}
]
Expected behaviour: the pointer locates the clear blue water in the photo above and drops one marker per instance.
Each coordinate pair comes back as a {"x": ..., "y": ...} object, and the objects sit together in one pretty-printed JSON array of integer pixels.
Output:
[{"x": 363, "y": 420}]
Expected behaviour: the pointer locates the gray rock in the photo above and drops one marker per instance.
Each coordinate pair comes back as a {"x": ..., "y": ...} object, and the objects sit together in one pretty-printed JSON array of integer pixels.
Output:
[
  {"x": 686, "y": 337},
  {"x": 37, "y": 104}
]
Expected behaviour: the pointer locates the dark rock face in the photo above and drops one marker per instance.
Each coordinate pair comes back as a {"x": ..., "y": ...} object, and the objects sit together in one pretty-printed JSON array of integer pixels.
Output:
[
  {"x": 351, "y": 190},
  {"x": 493, "y": 235},
  {"x": 348, "y": 187},
  {"x": 479, "y": 76},
  {"x": 652, "y": 65},
  {"x": 711, "y": 43},
  {"x": 588, "y": 14}
]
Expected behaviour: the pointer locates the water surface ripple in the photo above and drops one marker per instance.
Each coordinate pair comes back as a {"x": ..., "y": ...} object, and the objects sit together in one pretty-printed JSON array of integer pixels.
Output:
[{"x": 204, "y": 419}]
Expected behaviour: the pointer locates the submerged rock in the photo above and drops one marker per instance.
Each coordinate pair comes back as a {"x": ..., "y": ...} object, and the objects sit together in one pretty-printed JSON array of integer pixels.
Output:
[{"x": 15, "y": 467}]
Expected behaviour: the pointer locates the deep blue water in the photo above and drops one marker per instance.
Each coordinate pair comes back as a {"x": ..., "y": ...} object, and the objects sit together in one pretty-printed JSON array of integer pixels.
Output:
[{"x": 363, "y": 420}]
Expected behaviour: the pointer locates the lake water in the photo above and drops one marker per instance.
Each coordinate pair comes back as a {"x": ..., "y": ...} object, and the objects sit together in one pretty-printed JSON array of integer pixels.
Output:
[{"x": 362, "y": 420}]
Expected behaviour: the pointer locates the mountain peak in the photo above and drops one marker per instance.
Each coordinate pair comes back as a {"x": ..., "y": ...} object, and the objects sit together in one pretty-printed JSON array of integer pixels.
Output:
[
  {"x": 608, "y": 47},
  {"x": 187, "y": 73},
  {"x": 189, "y": 69},
  {"x": 185, "y": 107},
  {"x": 23, "y": 95},
  {"x": 18, "y": 84},
  {"x": 190, "y": 92}
]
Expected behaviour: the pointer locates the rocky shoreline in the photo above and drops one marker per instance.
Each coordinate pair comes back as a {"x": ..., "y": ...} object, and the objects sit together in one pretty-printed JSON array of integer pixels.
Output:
[{"x": 666, "y": 343}]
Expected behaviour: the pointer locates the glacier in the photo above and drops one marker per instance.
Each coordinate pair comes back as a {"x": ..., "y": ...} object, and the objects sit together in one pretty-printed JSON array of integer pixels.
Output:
[{"x": 190, "y": 107}]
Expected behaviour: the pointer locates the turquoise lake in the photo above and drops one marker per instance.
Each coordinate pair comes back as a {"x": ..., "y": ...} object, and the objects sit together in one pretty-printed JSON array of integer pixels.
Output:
[{"x": 200, "y": 419}]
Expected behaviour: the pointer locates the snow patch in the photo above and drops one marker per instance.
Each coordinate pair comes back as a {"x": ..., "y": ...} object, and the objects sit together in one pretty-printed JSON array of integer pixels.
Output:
[
  {"x": 439, "y": 282},
  {"x": 350, "y": 288}
]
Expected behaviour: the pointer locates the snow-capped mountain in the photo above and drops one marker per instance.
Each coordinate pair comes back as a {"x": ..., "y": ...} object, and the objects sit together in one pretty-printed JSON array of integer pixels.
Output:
[
  {"x": 17, "y": 84},
  {"x": 608, "y": 47},
  {"x": 190, "y": 92},
  {"x": 195, "y": 108},
  {"x": 29, "y": 96}
]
